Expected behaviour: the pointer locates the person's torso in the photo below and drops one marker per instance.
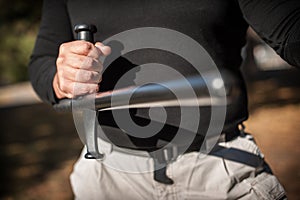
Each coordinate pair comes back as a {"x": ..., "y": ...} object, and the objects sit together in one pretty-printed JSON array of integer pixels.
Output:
[{"x": 217, "y": 25}]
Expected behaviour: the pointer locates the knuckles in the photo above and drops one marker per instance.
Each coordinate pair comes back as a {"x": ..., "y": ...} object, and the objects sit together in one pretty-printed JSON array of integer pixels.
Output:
[
  {"x": 63, "y": 48},
  {"x": 87, "y": 62},
  {"x": 87, "y": 76},
  {"x": 85, "y": 46},
  {"x": 79, "y": 46},
  {"x": 63, "y": 85}
]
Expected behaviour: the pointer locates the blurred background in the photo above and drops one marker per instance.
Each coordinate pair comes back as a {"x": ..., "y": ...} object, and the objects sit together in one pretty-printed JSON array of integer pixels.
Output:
[{"x": 38, "y": 146}]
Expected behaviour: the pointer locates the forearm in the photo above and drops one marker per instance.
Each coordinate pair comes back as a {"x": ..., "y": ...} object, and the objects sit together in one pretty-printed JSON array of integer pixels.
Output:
[
  {"x": 55, "y": 29},
  {"x": 41, "y": 74},
  {"x": 278, "y": 24}
]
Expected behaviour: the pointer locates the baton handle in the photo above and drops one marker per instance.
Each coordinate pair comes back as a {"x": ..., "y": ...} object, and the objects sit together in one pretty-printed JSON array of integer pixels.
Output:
[{"x": 83, "y": 32}]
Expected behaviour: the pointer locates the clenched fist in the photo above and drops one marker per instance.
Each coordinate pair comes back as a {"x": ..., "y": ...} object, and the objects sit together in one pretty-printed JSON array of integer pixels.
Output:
[{"x": 79, "y": 70}]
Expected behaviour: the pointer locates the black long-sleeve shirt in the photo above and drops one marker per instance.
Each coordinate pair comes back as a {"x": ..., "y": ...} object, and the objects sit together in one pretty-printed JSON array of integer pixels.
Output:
[{"x": 218, "y": 25}]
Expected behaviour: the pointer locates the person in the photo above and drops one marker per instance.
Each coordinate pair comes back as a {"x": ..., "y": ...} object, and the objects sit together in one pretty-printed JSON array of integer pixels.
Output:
[{"x": 59, "y": 62}]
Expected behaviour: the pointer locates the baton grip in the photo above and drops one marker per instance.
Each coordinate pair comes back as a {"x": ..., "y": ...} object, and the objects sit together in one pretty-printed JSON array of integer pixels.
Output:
[
  {"x": 83, "y": 32},
  {"x": 64, "y": 105}
]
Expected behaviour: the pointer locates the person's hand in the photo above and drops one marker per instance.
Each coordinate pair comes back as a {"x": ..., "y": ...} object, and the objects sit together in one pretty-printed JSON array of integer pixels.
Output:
[{"x": 79, "y": 70}]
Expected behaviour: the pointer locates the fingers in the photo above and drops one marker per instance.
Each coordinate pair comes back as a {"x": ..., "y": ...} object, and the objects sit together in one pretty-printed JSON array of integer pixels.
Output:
[
  {"x": 81, "y": 47},
  {"x": 72, "y": 89},
  {"x": 81, "y": 76},
  {"x": 80, "y": 62},
  {"x": 79, "y": 68}
]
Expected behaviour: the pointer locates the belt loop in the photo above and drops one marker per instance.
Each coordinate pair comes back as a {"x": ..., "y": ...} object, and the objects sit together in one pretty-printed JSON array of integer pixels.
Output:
[
  {"x": 242, "y": 128},
  {"x": 235, "y": 131}
]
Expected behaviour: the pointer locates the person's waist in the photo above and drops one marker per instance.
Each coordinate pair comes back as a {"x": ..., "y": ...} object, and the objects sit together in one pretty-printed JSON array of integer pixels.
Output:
[
  {"x": 159, "y": 158},
  {"x": 125, "y": 145}
]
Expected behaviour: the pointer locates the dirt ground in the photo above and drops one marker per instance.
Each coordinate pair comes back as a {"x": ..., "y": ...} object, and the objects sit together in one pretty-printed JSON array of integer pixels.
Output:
[{"x": 38, "y": 146}]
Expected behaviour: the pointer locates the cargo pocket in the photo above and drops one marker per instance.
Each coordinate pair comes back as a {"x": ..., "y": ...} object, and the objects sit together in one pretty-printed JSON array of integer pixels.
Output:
[
  {"x": 267, "y": 187},
  {"x": 242, "y": 159}
]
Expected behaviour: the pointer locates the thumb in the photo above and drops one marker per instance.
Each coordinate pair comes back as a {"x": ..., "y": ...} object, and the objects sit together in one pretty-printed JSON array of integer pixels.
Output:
[{"x": 105, "y": 50}]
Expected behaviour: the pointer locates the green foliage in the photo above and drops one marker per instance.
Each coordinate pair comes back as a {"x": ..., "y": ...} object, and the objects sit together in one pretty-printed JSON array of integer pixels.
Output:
[{"x": 19, "y": 21}]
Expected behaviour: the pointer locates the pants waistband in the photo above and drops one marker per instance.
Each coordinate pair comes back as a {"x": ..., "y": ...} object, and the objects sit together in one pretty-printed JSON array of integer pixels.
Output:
[{"x": 171, "y": 152}]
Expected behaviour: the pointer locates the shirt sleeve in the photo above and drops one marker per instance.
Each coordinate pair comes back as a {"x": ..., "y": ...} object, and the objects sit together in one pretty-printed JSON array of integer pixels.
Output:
[
  {"x": 55, "y": 29},
  {"x": 277, "y": 22}
]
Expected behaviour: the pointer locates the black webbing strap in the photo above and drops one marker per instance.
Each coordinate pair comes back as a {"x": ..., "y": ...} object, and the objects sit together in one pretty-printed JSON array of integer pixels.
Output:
[{"x": 160, "y": 168}]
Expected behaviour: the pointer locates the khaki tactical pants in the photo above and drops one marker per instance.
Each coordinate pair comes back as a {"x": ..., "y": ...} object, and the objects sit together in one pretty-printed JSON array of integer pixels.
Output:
[{"x": 233, "y": 170}]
